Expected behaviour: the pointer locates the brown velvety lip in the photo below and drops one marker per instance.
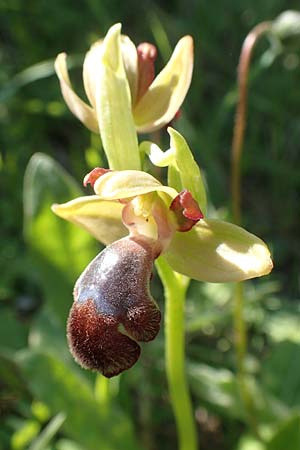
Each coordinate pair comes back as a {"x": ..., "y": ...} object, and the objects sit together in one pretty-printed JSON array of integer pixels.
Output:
[{"x": 113, "y": 308}]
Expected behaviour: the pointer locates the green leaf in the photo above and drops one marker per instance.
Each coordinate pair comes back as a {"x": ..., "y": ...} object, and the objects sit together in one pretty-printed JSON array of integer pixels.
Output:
[
  {"x": 66, "y": 444},
  {"x": 13, "y": 333},
  {"x": 48, "y": 432},
  {"x": 248, "y": 442},
  {"x": 24, "y": 434},
  {"x": 287, "y": 436},
  {"x": 55, "y": 384},
  {"x": 59, "y": 250},
  {"x": 48, "y": 335},
  {"x": 33, "y": 73},
  {"x": 218, "y": 387},
  {"x": 283, "y": 326},
  {"x": 12, "y": 384},
  {"x": 281, "y": 373}
]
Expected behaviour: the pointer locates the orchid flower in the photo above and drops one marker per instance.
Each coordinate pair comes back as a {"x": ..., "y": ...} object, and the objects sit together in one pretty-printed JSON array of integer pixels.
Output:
[
  {"x": 119, "y": 77},
  {"x": 139, "y": 219}
]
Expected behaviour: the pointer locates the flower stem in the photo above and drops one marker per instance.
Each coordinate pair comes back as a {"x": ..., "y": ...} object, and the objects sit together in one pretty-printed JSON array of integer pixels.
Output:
[
  {"x": 175, "y": 286},
  {"x": 240, "y": 349},
  {"x": 102, "y": 393},
  {"x": 241, "y": 115},
  {"x": 236, "y": 155}
]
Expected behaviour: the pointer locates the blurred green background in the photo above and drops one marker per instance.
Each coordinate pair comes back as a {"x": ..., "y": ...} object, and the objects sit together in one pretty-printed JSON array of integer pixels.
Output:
[{"x": 46, "y": 400}]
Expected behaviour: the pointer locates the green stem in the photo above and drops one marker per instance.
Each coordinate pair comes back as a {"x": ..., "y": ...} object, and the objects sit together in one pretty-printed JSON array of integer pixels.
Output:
[
  {"x": 241, "y": 348},
  {"x": 102, "y": 393},
  {"x": 240, "y": 327},
  {"x": 175, "y": 286}
]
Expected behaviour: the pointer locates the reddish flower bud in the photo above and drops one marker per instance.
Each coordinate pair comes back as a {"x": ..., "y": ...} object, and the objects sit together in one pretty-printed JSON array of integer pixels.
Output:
[
  {"x": 113, "y": 308},
  {"x": 147, "y": 54}
]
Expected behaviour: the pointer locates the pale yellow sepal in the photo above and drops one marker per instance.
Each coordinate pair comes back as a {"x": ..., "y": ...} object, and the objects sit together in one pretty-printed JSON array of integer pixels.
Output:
[
  {"x": 91, "y": 71},
  {"x": 113, "y": 106},
  {"x": 216, "y": 251},
  {"x": 102, "y": 219},
  {"x": 166, "y": 93},
  {"x": 78, "y": 107},
  {"x": 111, "y": 55},
  {"x": 123, "y": 184}
]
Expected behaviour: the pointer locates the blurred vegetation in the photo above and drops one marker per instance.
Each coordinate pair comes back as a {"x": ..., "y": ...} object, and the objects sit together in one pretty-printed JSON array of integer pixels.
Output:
[{"x": 46, "y": 400}]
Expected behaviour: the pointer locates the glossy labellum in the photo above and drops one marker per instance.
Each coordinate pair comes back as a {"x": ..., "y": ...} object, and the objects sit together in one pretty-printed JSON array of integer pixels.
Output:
[{"x": 113, "y": 308}]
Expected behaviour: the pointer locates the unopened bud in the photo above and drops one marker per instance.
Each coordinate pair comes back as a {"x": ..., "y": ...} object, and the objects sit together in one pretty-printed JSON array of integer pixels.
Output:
[
  {"x": 286, "y": 27},
  {"x": 147, "y": 54}
]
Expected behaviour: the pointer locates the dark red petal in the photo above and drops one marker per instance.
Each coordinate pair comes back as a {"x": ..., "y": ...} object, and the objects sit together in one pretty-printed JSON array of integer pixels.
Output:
[
  {"x": 93, "y": 176},
  {"x": 186, "y": 210},
  {"x": 112, "y": 297}
]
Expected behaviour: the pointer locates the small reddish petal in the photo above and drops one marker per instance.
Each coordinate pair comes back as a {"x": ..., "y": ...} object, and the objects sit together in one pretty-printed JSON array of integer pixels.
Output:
[
  {"x": 191, "y": 208},
  {"x": 147, "y": 54},
  {"x": 93, "y": 176},
  {"x": 186, "y": 210}
]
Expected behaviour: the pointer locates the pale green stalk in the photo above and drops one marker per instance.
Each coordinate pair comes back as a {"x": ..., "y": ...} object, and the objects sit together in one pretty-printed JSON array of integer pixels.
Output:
[
  {"x": 240, "y": 332},
  {"x": 102, "y": 393},
  {"x": 175, "y": 287}
]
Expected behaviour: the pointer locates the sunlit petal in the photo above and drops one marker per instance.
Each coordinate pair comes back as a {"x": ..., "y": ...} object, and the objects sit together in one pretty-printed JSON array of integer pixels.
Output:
[
  {"x": 217, "y": 251},
  {"x": 91, "y": 70},
  {"x": 78, "y": 107},
  {"x": 128, "y": 183},
  {"x": 167, "y": 92},
  {"x": 102, "y": 219},
  {"x": 156, "y": 155},
  {"x": 130, "y": 61}
]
